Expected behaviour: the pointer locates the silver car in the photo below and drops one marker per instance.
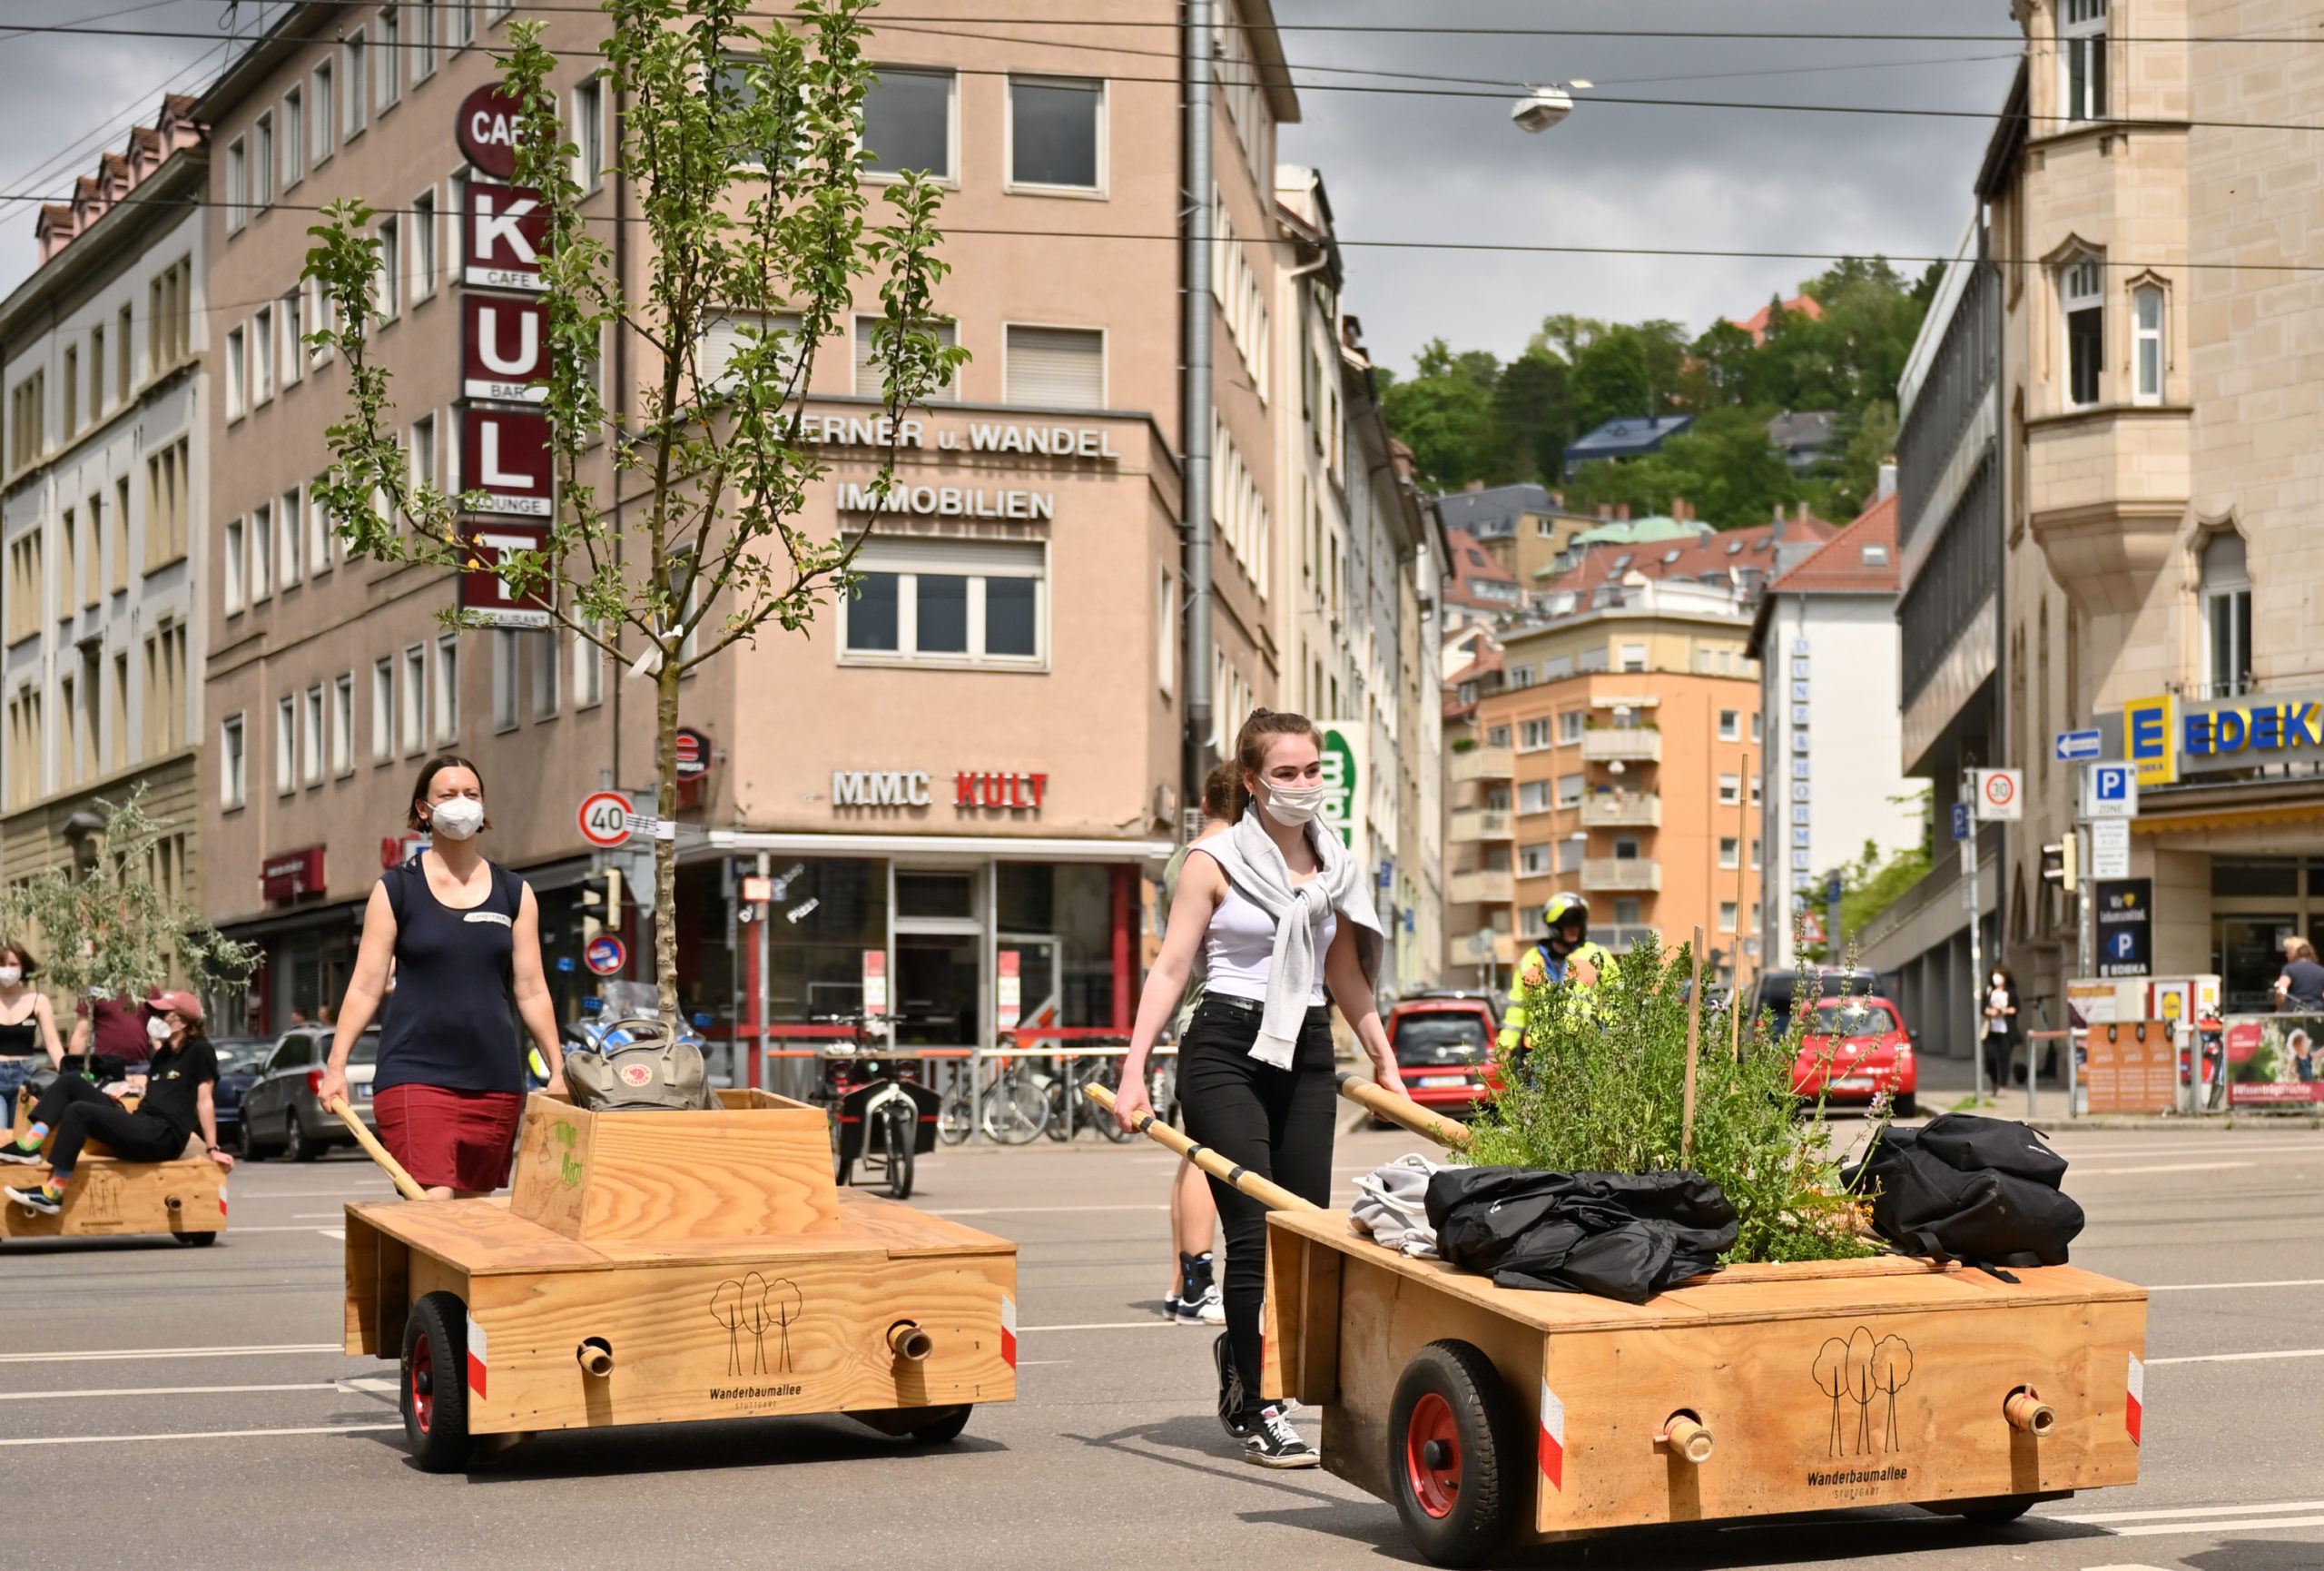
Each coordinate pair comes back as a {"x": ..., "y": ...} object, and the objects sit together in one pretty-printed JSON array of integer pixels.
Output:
[{"x": 280, "y": 1112}]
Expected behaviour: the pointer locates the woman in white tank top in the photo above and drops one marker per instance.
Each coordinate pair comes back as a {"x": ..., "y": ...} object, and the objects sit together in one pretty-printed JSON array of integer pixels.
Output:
[{"x": 1280, "y": 914}]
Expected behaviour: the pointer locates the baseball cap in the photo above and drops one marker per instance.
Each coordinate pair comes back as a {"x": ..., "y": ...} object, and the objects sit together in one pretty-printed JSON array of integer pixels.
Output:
[{"x": 185, "y": 1003}]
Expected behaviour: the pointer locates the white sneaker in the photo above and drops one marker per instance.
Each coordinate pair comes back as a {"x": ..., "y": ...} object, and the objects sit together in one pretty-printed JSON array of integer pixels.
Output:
[{"x": 1210, "y": 1309}]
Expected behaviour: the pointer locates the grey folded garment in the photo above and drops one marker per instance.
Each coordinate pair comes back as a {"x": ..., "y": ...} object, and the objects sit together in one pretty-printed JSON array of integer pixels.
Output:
[{"x": 1392, "y": 1205}]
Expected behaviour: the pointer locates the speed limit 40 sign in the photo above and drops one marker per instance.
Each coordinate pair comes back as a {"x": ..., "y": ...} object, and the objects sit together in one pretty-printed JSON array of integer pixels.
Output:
[
  {"x": 2001, "y": 794},
  {"x": 604, "y": 818}
]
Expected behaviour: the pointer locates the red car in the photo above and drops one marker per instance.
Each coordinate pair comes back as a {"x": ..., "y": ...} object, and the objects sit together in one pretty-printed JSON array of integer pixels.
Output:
[
  {"x": 1443, "y": 1045},
  {"x": 1855, "y": 1049}
]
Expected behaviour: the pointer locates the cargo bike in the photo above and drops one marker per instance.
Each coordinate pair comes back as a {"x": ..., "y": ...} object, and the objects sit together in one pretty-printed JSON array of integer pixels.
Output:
[
  {"x": 1489, "y": 1416},
  {"x": 659, "y": 1267}
]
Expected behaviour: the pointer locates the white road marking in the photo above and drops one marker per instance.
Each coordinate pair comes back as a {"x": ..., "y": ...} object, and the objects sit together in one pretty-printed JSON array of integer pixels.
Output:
[
  {"x": 2158, "y": 1148},
  {"x": 2243, "y": 1358},
  {"x": 2159, "y": 1513},
  {"x": 2126, "y": 1566},
  {"x": 2166, "y": 1167},
  {"x": 199, "y": 1435},
  {"x": 1033, "y": 1211},
  {"x": 163, "y": 1392},
  {"x": 2154, "y": 1529},
  {"x": 339, "y": 1233},
  {"x": 2222, "y": 1287},
  {"x": 279, "y": 1228},
  {"x": 103, "y": 1355},
  {"x": 1100, "y": 1326}
]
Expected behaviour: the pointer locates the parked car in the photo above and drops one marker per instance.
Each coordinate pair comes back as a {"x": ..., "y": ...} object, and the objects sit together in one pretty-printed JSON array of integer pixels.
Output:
[
  {"x": 1854, "y": 1049},
  {"x": 1444, "y": 1045},
  {"x": 1774, "y": 990},
  {"x": 240, "y": 1060},
  {"x": 280, "y": 1112}
]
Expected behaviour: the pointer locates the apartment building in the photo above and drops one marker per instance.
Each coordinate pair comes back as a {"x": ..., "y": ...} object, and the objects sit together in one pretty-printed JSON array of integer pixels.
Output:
[
  {"x": 105, "y": 351},
  {"x": 978, "y": 756},
  {"x": 1617, "y": 748}
]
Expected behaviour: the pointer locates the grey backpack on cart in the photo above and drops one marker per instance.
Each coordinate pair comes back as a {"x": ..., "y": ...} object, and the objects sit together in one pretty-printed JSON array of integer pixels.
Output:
[
  {"x": 1979, "y": 1190},
  {"x": 648, "y": 1072}
]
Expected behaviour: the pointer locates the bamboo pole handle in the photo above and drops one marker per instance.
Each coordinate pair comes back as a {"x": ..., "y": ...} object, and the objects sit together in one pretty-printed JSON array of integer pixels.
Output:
[
  {"x": 1694, "y": 1047},
  {"x": 1272, "y": 1195},
  {"x": 1405, "y": 1113},
  {"x": 407, "y": 1185},
  {"x": 1687, "y": 1438}
]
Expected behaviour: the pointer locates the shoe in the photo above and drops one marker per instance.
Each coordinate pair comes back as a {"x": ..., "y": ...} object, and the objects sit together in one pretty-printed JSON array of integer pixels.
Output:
[
  {"x": 28, "y": 1155},
  {"x": 34, "y": 1199},
  {"x": 1207, "y": 1309},
  {"x": 1171, "y": 1303},
  {"x": 1231, "y": 1417},
  {"x": 1273, "y": 1443}
]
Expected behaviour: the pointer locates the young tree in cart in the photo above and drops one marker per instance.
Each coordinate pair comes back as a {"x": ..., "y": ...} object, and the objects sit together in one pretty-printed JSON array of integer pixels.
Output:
[{"x": 744, "y": 150}]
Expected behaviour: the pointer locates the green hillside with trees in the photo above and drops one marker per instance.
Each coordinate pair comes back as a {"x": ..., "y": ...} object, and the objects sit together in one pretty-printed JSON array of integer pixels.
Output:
[{"x": 1471, "y": 417}]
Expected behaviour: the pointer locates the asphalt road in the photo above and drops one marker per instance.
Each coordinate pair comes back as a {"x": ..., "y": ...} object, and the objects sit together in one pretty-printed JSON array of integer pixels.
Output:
[{"x": 161, "y": 1406}]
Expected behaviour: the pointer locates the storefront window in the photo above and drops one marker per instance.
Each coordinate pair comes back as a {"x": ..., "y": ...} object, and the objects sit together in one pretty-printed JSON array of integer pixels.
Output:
[
  {"x": 830, "y": 912},
  {"x": 2260, "y": 877},
  {"x": 2248, "y": 952},
  {"x": 1059, "y": 919}
]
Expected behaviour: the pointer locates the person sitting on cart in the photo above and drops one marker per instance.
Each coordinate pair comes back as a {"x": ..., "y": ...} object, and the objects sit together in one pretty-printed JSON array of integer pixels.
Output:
[
  {"x": 1564, "y": 957},
  {"x": 180, "y": 1084}
]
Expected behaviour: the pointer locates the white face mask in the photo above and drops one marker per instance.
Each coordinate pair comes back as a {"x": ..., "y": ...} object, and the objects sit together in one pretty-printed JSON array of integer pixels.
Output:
[
  {"x": 158, "y": 1029},
  {"x": 458, "y": 818},
  {"x": 1295, "y": 804},
  {"x": 11, "y": 974}
]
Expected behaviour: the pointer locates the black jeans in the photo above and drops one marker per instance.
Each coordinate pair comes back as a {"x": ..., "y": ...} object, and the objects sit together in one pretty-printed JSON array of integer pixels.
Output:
[
  {"x": 75, "y": 1110},
  {"x": 1277, "y": 1122},
  {"x": 1998, "y": 1052}
]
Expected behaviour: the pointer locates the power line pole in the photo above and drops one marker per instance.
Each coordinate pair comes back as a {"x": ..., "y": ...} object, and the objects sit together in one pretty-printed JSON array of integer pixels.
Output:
[{"x": 1194, "y": 417}]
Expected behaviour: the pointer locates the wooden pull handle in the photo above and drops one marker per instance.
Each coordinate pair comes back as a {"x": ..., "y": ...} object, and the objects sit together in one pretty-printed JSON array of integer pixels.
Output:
[
  {"x": 1272, "y": 1195},
  {"x": 406, "y": 1185},
  {"x": 2028, "y": 1411},
  {"x": 1689, "y": 1440},
  {"x": 1405, "y": 1113}
]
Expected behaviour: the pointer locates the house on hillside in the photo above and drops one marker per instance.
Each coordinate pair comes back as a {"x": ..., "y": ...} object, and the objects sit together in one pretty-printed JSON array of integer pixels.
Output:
[
  {"x": 1632, "y": 436},
  {"x": 1804, "y": 437},
  {"x": 1756, "y": 324}
]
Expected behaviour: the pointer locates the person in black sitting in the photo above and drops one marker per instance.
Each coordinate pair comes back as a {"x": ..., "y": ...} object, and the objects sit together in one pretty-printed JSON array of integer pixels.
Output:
[
  {"x": 2300, "y": 989},
  {"x": 179, "y": 1082}
]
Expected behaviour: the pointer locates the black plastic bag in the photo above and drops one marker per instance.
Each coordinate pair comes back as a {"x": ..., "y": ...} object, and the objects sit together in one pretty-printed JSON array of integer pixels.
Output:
[
  {"x": 1624, "y": 1236},
  {"x": 1971, "y": 1143},
  {"x": 1980, "y": 1189}
]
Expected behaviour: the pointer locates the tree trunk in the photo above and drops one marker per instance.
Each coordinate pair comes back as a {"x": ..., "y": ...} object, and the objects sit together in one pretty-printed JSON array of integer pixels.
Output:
[{"x": 665, "y": 843}]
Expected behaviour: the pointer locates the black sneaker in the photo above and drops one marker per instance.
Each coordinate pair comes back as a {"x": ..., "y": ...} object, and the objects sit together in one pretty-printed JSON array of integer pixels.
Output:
[
  {"x": 1231, "y": 1415},
  {"x": 1273, "y": 1443},
  {"x": 1197, "y": 1302},
  {"x": 28, "y": 1155},
  {"x": 34, "y": 1199}
]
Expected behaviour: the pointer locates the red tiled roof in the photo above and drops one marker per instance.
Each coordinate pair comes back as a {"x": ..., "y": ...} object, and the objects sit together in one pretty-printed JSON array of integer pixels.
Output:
[
  {"x": 1756, "y": 324},
  {"x": 1715, "y": 551},
  {"x": 1473, "y": 563},
  {"x": 1838, "y": 565}
]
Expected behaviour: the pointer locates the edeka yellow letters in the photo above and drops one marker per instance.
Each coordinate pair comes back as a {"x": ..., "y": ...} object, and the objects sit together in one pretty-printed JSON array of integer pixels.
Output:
[{"x": 2148, "y": 739}]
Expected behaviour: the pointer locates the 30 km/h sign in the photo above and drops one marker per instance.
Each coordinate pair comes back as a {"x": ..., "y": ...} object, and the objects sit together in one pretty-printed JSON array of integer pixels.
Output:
[
  {"x": 604, "y": 818},
  {"x": 605, "y": 955},
  {"x": 2001, "y": 794}
]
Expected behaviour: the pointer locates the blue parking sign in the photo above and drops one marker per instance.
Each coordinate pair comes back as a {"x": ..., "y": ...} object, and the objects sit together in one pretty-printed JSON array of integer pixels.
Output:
[{"x": 1961, "y": 826}]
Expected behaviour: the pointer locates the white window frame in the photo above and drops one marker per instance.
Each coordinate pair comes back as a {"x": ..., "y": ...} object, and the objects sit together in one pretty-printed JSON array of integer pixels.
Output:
[
  {"x": 1165, "y": 629},
  {"x": 412, "y": 734},
  {"x": 383, "y": 710},
  {"x": 389, "y": 289},
  {"x": 2082, "y": 43},
  {"x": 390, "y": 74},
  {"x": 446, "y": 690},
  {"x": 1730, "y": 725},
  {"x": 319, "y": 535},
  {"x": 1572, "y": 790},
  {"x": 322, "y": 118},
  {"x": 355, "y": 85},
  {"x": 310, "y": 751},
  {"x": 1571, "y": 722},
  {"x": 2082, "y": 287},
  {"x": 1105, "y": 360},
  {"x": 589, "y": 132},
  {"x": 259, "y": 545},
  {"x": 233, "y": 580},
  {"x": 238, "y": 401},
  {"x": 294, "y": 136},
  {"x": 233, "y": 761},
  {"x": 2149, "y": 354},
  {"x": 507, "y": 686},
  {"x": 286, "y": 745},
  {"x": 261, "y": 356},
  {"x": 906, "y": 652},
  {"x": 950, "y": 177},
  {"x": 261, "y": 162},
  {"x": 421, "y": 251},
  {"x": 291, "y": 314},
  {"x": 423, "y": 48},
  {"x": 238, "y": 185},
  {"x": 588, "y": 673},
  {"x": 1009, "y": 183},
  {"x": 290, "y": 522}
]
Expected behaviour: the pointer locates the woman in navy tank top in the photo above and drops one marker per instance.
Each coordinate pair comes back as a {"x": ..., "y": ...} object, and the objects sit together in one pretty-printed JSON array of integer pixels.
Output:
[{"x": 464, "y": 937}]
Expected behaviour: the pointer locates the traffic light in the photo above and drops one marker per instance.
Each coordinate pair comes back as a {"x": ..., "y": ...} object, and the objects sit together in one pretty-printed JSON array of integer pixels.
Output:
[
  {"x": 2059, "y": 863},
  {"x": 600, "y": 904}
]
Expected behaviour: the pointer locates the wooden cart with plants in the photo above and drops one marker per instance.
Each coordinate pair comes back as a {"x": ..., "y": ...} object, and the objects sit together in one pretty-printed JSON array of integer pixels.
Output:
[
  {"x": 1810, "y": 1373},
  {"x": 658, "y": 1267}
]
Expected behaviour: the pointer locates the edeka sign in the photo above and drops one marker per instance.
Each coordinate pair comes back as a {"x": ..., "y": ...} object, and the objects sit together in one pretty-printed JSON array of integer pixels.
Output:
[
  {"x": 2169, "y": 738},
  {"x": 2125, "y": 927}
]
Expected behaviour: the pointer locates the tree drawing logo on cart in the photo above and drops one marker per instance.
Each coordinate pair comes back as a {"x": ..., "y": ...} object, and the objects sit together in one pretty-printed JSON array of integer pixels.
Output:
[
  {"x": 1861, "y": 1375},
  {"x": 753, "y": 1304}
]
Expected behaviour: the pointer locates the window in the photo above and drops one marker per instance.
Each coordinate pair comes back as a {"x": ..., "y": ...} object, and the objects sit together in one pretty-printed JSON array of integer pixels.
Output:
[
  {"x": 908, "y": 123},
  {"x": 447, "y": 689},
  {"x": 589, "y": 130},
  {"x": 234, "y": 575},
  {"x": 2227, "y": 616},
  {"x": 1497, "y": 737},
  {"x": 312, "y": 756},
  {"x": 1731, "y": 725},
  {"x": 389, "y": 291},
  {"x": 232, "y": 766},
  {"x": 1730, "y": 788},
  {"x": 71, "y": 392},
  {"x": 1055, "y": 132},
  {"x": 1755, "y": 725},
  {"x": 383, "y": 710},
  {"x": 261, "y": 554},
  {"x": 1533, "y": 797},
  {"x": 1569, "y": 725},
  {"x": 318, "y": 537},
  {"x": 1755, "y": 854},
  {"x": 287, "y": 516},
  {"x": 1570, "y": 853},
  {"x": 388, "y": 71},
  {"x": 96, "y": 373},
  {"x": 1534, "y": 860},
  {"x": 1626, "y": 849},
  {"x": 414, "y": 698},
  {"x": 263, "y": 356},
  {"x": 423, "y": 244},
  {"x": 1534, "y": 735},
  {"x": 25, "y": 585},
  {"x": 238, "y": 183},
  {"x": 27, "y": 415},
  {"x": 423, "y": 48},
  {"x": 1166, "y": 628},
  {"x": 168, "y": 478},
  {"x": 1056, "y": 367},
  {"x": 124, "y": 371},
  {"x": 505, "y": 661},
  {"x": 541, "y": 646},
  {"x": 93, "y": 560},
  {"x": 463, "y": 22},
  {"x": 291, "y": 312},
  {"x": 1633, "y": 657},
  {"x": 286, "y": 745},
  {"x": 423, "y": 450},
  {"x": 1569, "y": 790},
  {"x": 237, "y": 373},
  {"x": 2085, "y": 318},
  {"x": 294, "y": 138},
  {"x": 262, "y": 162},
  {"x": 1730, "y": 848},
  {"x": 2081, "y": 58},
  {"x": 588, "y": 673},
  {"x": 326, "y": 116},
  {"x": 359, "y": 111},
  {"x": 2146, "y": 344},
  {"x": 948, "y": 603},
  {"x": 69, "y": 539},
  {"x": 870, "y": 371},
  {"x": 1727, "y": 916}
]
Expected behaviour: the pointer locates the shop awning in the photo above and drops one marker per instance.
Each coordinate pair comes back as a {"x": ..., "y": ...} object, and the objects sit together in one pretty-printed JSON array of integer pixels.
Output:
[
  {"x": 1010, "y": 847},
  {"x": 2228, "y": 818}
]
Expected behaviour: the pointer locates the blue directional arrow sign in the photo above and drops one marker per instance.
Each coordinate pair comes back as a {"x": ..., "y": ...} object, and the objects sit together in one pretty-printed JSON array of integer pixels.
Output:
[{"x": 2078, "y": 746}]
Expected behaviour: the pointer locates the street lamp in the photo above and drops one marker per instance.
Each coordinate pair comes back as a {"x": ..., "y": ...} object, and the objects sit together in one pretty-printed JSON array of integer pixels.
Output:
[{"x": 1542, "y": 107}]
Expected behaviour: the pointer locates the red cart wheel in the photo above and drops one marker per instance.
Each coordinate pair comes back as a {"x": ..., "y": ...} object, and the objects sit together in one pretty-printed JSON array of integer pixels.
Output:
[
  {"x": 436, "y": 1384},
  {"x": 1457, "y": 1455}
]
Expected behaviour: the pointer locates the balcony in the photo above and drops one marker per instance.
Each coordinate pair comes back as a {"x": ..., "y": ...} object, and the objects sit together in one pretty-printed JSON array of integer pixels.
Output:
[
  {"x": 1604, "y": 744},
  {"x": 1469, "y": 824},
  {"x": 1483, "y": 764},
  {"x": 1621, "y": 810},
  {"x": 1629, "y": 874},
  {"x": 1482, "y": 888}
]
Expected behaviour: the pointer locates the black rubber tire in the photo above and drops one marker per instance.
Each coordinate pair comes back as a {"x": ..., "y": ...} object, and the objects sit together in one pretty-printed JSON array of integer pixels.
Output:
[
  {"x": 438, "y": 1329},
  {"x": 242, "y": 1147},
  {"x": 196, "y": 1241},
  {"x": 896, "y": 1121},
  {"x": 945, "y": 1429},
  {"x": 2001, "y": 1512},
  {"x": 297, "y": 1143},
  {"x": 1908, "y": 1106},
  {"x": 1493, "y": 1491}
]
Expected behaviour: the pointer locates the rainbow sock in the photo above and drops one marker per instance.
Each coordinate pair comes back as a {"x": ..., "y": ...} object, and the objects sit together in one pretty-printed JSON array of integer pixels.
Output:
[
  {"x": 32, "y": 1136},
  {"x": 53, "y": 1185}
]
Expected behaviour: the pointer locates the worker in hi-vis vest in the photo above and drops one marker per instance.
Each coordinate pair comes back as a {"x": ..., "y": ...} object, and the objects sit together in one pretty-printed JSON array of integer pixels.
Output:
[{"x": 1564, "y": 955}]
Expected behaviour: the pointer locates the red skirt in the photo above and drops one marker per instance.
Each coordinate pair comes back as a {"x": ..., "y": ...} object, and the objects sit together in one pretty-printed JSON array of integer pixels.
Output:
[{"x": 459, "y": 1140}]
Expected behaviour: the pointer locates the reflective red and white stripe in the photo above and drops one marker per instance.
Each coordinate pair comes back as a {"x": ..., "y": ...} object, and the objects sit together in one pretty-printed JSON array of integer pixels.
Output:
[
  {"x": 1009, "y": 1329},
  {"x": 1552, "y": 1449},
  {"x": 2134, "y": 1405},
  {"x": 478, "y": 1360}
]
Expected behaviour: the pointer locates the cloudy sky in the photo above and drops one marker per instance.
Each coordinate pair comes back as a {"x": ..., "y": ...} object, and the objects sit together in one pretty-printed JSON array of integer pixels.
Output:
[{"x": 1406, "y": 165}]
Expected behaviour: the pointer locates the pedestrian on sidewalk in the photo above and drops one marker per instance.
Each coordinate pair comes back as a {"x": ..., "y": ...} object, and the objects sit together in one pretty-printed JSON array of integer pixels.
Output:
[
  {"x": 464, "y": 937},
  {"x": 1194, "y": 1298},
  {"x": 2299, "y": 990},
  {"x": 1279, "y": 911},
  {"x": 28, "y": 1027},
  {"x": 2001, "y": 1026}
]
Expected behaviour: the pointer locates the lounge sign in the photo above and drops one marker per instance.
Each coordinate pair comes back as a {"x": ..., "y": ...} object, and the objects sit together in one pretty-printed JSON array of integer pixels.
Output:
[{"x": 2167, "y": 738}]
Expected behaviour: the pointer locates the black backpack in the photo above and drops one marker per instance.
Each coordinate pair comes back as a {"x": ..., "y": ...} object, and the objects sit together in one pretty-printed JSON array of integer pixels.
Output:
[{"x": 1979, "y": 1190}]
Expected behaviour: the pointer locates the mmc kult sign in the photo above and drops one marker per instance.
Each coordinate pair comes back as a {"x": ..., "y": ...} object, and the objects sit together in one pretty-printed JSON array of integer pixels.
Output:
[{"x": 2167, "y": 739}]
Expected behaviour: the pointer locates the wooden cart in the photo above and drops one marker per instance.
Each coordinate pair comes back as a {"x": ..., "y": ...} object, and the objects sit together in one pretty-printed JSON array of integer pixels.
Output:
[
  {"x": 110, "y": 1197},
  {"x": 659, "y": 1267}
]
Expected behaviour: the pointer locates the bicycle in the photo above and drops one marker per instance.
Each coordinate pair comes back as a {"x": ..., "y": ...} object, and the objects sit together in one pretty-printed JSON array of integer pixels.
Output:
[
  {"x": 1070, "y": 1107},
  {"x": 879, "y": 1112}
]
